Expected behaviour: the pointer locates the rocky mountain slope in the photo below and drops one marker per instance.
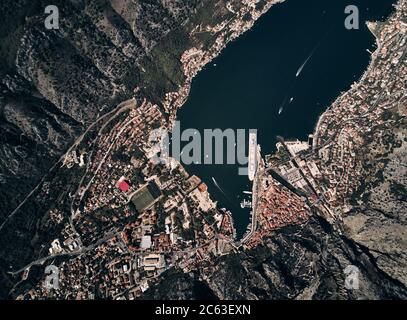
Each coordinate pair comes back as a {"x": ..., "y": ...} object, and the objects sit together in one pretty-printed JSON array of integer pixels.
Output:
[
  {"x": 54, "y": 83},
  {"x": 310, "y": 261},
  {"x": 296, "y": 262}
]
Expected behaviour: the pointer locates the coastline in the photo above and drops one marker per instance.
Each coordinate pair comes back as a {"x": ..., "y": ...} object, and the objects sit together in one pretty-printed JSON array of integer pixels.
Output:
[
  {"x": 181, "y": 99},
  {"x": 191, "y": 67},
  {"x": 370, "y": 25},
  {"x": 175, "y": 100}
]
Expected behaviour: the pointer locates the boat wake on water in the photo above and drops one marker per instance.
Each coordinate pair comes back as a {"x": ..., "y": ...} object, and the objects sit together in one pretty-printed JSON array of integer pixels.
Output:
[
  {"x": 299, "y": 71},
  {"x": 280, "y": 110},
  {"x": 314, "y": 50},
  {"x": 301, "y": 68},
  {"x": 222, "y": 191}
]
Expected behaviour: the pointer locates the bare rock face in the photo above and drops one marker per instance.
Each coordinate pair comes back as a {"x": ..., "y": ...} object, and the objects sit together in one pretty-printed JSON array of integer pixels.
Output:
[
  {"x": 297, "y": 262},
  {"x": 177, "y": 285},
  {"x": 54, "y": 83},
  {"x": 380, "y": 224},
  {"x": 34, "y": 134},
  {"x": 384, "y": 239}
]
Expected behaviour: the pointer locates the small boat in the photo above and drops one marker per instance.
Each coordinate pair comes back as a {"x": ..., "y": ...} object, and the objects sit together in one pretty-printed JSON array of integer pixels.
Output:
[{"x": 245, "y": 204}]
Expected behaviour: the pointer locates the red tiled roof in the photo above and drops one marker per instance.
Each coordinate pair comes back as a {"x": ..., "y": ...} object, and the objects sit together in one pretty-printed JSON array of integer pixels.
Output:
[{"x": 124, "y": 186}]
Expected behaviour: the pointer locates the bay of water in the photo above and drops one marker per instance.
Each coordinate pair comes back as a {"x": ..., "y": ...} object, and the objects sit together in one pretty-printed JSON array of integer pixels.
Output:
[{"x": 257, "y": 72}]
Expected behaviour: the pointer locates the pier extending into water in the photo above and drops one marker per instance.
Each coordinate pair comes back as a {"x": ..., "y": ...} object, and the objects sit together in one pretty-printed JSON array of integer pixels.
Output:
[{"x": 257, "y": 161}]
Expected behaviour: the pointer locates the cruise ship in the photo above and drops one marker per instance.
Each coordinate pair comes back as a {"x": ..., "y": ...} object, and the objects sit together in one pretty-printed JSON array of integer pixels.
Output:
[{"x": 252, "y": 155}]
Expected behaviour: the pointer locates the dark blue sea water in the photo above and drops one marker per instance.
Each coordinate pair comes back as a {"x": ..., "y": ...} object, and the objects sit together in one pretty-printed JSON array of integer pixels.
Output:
[{"x": 257, "y": 72}]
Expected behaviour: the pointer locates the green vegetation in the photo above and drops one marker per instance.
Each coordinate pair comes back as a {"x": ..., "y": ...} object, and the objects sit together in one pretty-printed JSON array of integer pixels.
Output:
[
  {"x": 165, "y": 73},
  {"x": 15, "y": 16},
  {"x": 143, "y": 198},
  {"x": 212, "y": 12},
  {"x": 398, "y": 190}
]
